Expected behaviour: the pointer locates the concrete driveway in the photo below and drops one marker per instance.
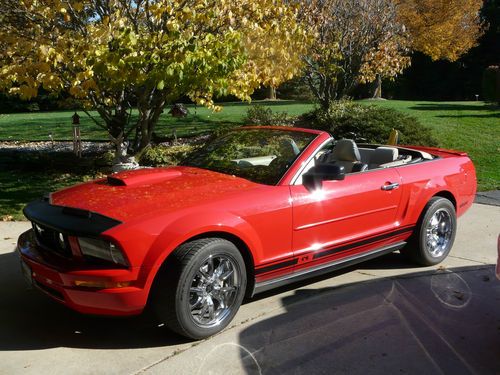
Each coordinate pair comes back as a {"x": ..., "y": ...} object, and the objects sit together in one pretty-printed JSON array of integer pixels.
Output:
[{"x": 383, "y": 316}]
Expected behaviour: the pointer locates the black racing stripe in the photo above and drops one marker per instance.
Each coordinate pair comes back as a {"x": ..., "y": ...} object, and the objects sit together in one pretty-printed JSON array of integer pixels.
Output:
[
  {"x": 274, "y": 261},
  {"x": 294, "y": 261},
  {"x": 380, "y": 237},
  {"x": 277, "y": 266}
]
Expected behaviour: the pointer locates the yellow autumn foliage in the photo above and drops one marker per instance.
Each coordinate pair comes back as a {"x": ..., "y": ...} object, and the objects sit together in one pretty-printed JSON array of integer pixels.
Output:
[
  {"x": 111, "y": 53},
  {"x": 442, "y": 29}
]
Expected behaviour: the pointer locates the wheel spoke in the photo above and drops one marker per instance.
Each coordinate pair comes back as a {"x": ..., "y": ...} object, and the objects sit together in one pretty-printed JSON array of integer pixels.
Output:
[
  {"x": 199, "y": 301},
  {"x": 227, "y": 289},
  {"x": 224, "y": 276},
  {"x": 445, "y": 228},
  {"x": 197, "y": 290},
  {"x": 204, "y": 273},
  {"x": 222, "y": 301},
  {"x": 210, "y": 308},
  {"x": 220, "y": 269},
  {"x": 204, "y": 308},
  {"x": 433, "y": 245},
  {"x": 434, "y": 221},
  {"x": 210, "y": 263}
]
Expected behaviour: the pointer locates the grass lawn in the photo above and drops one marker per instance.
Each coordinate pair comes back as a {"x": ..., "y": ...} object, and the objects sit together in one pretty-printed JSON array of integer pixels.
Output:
[
  {"x": 19, "y": 187},
  {"x": 473, "y": 127},
  {"x": 37, "y": 126}
]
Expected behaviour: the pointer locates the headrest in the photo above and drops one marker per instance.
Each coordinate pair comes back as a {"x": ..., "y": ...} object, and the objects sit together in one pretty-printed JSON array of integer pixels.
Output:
[
  {"x": 346, "y": 150},
  {"x": 383, "y": 155},
  {"x": 288, "y": 147}
]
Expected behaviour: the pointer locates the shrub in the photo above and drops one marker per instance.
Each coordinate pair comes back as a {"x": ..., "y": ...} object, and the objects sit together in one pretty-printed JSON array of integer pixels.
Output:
[
  {"x": 295, "y": 89},
  {"x": 222, "y": 129},
  {"x": 491, "y": 84},
  {"x": 261, "y": 115},
  {"x": 156, "y": 156},
  {"x": 347, "y": 119}
]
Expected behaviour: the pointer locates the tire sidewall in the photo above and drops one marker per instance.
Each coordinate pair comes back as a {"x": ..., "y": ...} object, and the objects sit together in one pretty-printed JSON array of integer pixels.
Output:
[
  {"x": 182, "y": 308},
  {"x": 433, "y": 206}
]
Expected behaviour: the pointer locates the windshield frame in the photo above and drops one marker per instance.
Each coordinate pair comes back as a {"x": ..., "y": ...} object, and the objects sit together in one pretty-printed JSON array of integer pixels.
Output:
[{"x": 280, "y": 175}]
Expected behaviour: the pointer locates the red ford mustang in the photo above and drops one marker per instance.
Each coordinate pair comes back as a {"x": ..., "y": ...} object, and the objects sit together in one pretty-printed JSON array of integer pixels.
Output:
[{"x": 255, "y": 209}]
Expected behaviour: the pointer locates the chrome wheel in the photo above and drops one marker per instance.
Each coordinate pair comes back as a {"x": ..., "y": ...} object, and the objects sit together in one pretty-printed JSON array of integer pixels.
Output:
[
  {"x": 439, "y": 232},
  {"x": 214, "y": 290}
]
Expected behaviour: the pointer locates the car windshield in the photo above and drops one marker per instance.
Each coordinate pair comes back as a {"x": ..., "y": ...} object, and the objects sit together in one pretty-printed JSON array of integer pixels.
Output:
[{"x": 258, "y": 155}]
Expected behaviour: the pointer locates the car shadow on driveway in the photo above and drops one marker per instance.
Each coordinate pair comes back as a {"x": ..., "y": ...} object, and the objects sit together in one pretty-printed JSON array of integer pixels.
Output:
[
  {"x": 432, "y": 322},
  {"x": 30, "y": 320},
  {"x": 444, "y": 321}
]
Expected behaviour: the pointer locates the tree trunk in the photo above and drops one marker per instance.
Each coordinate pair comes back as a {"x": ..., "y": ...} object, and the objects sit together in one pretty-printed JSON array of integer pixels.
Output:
[
  {"x": 144, "y": 126},
  {"x": 148, "y": 118},
  {"x": 271, "y": 93},
  {"x": 377, "y": 91}
]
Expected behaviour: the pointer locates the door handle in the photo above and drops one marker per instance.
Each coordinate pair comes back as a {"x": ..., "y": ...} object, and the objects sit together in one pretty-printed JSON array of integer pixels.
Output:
[{"x": 390, "y": 186}]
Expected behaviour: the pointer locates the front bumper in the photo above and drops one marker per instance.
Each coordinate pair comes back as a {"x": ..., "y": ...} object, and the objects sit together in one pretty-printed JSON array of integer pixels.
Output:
[{"x": 57, "y": 278}]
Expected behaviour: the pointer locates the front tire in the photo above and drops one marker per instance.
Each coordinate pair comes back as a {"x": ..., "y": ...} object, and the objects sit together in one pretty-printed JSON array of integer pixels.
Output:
[
  {"x": 201, "y": 288},
  {"x": 435, "y": 233}
]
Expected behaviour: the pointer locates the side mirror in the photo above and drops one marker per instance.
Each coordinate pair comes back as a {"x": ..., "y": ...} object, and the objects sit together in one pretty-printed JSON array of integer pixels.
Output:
[{"x": 313, "y": 179}]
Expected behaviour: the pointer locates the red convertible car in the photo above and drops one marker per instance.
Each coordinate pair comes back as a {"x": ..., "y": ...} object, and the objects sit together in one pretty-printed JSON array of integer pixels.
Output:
[{"x": 252, "y": 210}]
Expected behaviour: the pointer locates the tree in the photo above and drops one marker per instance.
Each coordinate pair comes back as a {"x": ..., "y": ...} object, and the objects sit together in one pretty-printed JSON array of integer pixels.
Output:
[
  {"x": 113, "y": 54},
  {"x": 364, "y": 41},
  {"x": 356, "y": 41},
  {"x": 442, "y": 29}
]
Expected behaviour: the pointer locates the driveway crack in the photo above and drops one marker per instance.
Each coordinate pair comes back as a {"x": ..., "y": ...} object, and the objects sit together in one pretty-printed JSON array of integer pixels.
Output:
[
  {"x": 470, "y": 260},
  {"x": 194, "y": 344}
]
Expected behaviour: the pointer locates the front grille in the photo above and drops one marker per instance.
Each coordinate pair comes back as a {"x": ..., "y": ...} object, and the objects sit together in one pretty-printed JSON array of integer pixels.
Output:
[{"x": 52, "y": 240}]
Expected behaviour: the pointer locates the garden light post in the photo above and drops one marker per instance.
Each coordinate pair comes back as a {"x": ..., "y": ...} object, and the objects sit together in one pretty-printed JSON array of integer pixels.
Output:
[{"x": 77, "y": 140}]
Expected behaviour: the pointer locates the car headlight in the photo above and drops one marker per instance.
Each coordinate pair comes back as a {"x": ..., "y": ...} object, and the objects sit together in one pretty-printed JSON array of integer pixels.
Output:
[{"x": 102, "y": 249}]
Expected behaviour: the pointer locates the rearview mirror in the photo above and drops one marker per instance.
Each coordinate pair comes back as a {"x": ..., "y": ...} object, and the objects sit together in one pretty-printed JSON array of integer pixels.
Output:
[{"x": 313, "y": 179}]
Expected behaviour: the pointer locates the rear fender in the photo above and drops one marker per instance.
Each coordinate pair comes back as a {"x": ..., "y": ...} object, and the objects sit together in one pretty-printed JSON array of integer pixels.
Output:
[{"x": 417, "y": 194}]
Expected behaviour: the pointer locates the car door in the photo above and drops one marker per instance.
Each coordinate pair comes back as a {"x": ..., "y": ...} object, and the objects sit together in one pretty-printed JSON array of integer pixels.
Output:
[{"x": 345, "y": 217}]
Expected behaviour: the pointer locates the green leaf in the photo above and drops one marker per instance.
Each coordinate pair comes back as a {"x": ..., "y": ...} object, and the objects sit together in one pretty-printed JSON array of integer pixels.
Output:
[{"x": 160, "y": 85}]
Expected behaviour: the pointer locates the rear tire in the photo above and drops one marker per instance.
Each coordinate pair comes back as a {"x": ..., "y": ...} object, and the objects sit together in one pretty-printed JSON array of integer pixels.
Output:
[
  {"x": 434, "y": 235},
  {"x": 200, "y": 289}
]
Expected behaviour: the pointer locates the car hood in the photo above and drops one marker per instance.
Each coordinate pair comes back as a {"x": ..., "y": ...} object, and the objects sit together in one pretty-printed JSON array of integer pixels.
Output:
[{"x": 128, "y": 195}]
